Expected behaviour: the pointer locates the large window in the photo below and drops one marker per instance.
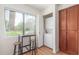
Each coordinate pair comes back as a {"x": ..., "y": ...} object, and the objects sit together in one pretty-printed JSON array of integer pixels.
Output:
[{"x": 17, "y": 23}]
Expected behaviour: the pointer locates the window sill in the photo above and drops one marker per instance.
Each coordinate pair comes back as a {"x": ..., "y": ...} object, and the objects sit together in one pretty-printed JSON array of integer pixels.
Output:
[{"x": 11, "y": 36}]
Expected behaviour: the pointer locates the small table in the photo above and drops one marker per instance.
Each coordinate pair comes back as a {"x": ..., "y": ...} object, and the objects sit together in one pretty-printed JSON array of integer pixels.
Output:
[{"x": 22, "y": 46}]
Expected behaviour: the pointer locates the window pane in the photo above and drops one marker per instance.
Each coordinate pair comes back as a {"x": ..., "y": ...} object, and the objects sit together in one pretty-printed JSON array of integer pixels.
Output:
[
  {"x": 16, "y": 25},
  {"x": 7, "y": 19},
  {"x": 19, "y": 23},
  {"x": 13, "y": 23},
  {"x": 29, "y": 24}
]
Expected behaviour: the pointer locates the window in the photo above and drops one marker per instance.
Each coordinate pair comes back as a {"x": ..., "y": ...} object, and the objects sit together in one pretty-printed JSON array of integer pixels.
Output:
[
  {"x": 17, "y": 23},
  {"x": 29, "y": 24}
]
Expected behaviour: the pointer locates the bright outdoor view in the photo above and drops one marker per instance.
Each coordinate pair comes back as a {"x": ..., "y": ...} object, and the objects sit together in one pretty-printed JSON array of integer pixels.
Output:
[{"x": 17, "y": 23}]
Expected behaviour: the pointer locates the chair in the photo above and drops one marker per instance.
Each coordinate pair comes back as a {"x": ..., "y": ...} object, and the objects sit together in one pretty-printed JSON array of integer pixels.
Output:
[
  {"x": 19, "y": 49},
  {"x": 32, "y": 44},
  {"x": 19, "y": 45}
]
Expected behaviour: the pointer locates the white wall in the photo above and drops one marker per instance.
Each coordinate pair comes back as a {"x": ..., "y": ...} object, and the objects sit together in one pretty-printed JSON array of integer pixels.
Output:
[
  {"x": 56, "y": 17},
  {"x": 21, "y": 8},
  {"x": 52, "y": 9},
  {"x": 2, "y": 29},
  {"x": 6, "y": 42},
  {"x": 39, "y": 30},
  {"x": 48, "y": 10},
  {"x": 62, "y": 6}
]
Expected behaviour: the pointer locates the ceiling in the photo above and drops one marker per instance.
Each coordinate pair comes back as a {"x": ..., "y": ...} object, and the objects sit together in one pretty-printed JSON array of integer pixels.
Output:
[{"x": 40, "y": 6}]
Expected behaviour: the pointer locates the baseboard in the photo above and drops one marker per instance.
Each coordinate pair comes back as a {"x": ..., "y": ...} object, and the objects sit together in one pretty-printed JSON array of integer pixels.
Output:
[
  {"x": 40, "y": 47},
  {"x": 56, "y": 50}
]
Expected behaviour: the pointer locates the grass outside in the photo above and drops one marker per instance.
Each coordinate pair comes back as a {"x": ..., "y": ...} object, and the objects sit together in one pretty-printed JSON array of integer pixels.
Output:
[{"x": 13, "y": 33}]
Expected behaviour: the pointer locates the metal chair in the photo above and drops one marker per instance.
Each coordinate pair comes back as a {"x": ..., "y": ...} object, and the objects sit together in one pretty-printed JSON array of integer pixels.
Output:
[
  {"x": 15, "y": 48},
  {"x": 19, "y": 45},
  {"x": 32, "y": 44}
]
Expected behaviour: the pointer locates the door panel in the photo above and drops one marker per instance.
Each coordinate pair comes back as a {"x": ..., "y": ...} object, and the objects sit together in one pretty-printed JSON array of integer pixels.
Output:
[
  {"x": 78, "y": 28},
  {"x": 72, "y": 42},
  {"x": 72, "y": 18},
  {"x": 62, "y": 40},
  {"x": 78, "y": 16},
  {"x": 62, "y": 18},
  {"x": 78, "y": 42}
]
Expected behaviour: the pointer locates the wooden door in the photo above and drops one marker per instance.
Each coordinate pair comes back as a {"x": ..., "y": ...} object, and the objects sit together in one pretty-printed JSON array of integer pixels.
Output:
[
  {"x": 62, "y": 29},
  {"x": 78, "y": 17},
  {"x": 72, "y": 30},
  {"x": 62, "y": 20},
  {"x": 78, "y": 41},
  {"x": 62, "y": 40},
  {"x": 72, "y": 18},
  {"x": 78, "y": 27},
  {"x": 69, "y": 30},
  {"x": 72, "y": 42}
]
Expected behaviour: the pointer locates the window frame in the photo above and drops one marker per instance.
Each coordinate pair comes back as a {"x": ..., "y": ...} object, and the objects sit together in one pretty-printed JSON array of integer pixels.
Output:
[{"x": 23, "y": 13}]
